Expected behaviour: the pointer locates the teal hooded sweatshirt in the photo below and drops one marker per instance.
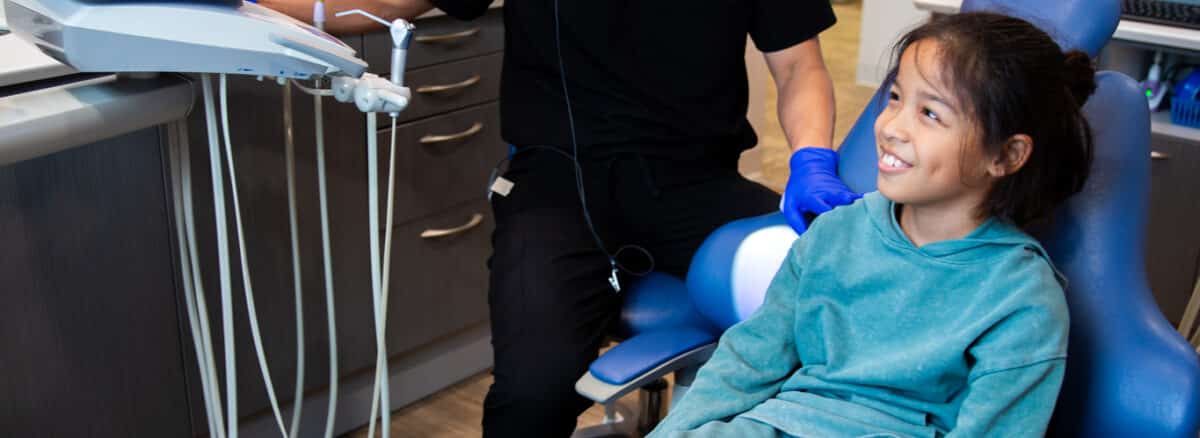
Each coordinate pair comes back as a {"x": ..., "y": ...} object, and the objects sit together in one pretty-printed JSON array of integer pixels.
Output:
[{"x": 864, "y": 334}]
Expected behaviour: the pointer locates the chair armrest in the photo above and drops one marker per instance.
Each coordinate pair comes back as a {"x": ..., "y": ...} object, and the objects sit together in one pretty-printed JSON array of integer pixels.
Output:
[{"x": 644, "y": 358}]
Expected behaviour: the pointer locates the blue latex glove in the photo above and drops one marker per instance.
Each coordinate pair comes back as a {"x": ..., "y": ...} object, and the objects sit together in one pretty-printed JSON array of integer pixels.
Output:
[{"x": 813, "y": 187}]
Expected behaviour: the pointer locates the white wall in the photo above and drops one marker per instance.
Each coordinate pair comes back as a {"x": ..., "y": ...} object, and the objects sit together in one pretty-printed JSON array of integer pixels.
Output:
[{"x": 883, "y": 22}]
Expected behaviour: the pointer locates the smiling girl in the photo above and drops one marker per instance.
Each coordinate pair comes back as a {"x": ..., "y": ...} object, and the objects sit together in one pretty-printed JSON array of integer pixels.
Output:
[{"x": 923, "y": 309}]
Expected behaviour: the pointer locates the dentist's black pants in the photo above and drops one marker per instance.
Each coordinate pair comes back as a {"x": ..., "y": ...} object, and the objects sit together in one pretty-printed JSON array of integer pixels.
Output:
[{"x": 550, "y": 300}]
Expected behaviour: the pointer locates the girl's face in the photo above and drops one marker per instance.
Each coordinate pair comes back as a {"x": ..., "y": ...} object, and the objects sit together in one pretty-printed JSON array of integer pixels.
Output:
[{"x": 920, "y": 138}]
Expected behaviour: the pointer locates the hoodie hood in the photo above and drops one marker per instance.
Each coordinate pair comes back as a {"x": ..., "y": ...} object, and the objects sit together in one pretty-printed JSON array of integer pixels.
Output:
[{"x": 994, "y": 238}]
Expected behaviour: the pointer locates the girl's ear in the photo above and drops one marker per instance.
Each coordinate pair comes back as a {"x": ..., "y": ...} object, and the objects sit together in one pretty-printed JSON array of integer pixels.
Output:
[{"x": 1014, "y": 155}]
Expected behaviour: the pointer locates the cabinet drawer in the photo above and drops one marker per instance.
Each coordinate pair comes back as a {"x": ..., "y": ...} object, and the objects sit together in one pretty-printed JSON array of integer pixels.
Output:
[
  {"x": 437, "y": 40},
  {"x": 438, "y": 286},
  {"x": 447, "y": 87},
  {"x": 1173, "y": 238},
  {"x": 443, "y": 161},
  {"x": 439, "y": 276}
]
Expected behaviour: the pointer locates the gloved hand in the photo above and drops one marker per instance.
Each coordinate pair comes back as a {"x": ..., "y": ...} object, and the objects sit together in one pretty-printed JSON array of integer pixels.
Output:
[{"x": 813, "y": 187}]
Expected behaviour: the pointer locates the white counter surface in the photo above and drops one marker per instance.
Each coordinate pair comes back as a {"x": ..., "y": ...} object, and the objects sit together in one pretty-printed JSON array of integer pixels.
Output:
[{"x": 22, "y": 62}]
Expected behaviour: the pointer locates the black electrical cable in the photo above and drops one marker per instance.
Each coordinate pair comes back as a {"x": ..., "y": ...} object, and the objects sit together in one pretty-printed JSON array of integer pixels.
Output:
[{"x": 574, "y": 157}]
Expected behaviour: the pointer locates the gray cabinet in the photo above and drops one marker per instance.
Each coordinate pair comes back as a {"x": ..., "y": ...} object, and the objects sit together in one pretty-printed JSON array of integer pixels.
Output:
[
  {"x": 439, "y": 288},
  {"x": 444, "y": 161},
  {"x": 1173, "y": 233},
  {"x": 89, "y": 332}
]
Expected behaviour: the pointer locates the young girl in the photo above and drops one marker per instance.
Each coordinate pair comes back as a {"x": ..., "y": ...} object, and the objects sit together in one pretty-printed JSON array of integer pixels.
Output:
[{"x": 923, "y": 309}]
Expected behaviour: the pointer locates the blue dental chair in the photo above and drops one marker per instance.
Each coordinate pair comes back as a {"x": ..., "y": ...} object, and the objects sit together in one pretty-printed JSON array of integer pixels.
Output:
[{"x": 1129, "y": 373}]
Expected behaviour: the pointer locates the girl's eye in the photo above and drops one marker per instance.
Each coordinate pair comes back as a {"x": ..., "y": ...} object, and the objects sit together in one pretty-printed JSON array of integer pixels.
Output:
[
  {"x": 892, "y": 95},
  {"x": 929, "y": 113}
]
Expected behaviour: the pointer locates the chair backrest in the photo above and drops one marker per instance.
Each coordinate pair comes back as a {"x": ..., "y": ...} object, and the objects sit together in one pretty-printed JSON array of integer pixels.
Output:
[{"x": 1128, "y": 372}]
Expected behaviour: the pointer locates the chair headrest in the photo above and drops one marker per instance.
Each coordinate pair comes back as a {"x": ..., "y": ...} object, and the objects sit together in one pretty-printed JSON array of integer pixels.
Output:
[{"x": 1075, "y": 24}]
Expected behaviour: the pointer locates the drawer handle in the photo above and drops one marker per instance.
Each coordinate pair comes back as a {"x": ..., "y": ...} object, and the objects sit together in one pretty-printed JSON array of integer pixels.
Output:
[
  {"x": 426, "y": 89},
  {"x": 1156, "y": 155},
  {"x": 431, "y": 139},
  {"x": 434, "y": 233},
  {"x": 447, "y": 38}
]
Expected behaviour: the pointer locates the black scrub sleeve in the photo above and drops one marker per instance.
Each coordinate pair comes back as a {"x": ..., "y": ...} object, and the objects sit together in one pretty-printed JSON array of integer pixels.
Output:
[
  {"x": 778, "y": 24},
  {"x": 463, "y": 9}
]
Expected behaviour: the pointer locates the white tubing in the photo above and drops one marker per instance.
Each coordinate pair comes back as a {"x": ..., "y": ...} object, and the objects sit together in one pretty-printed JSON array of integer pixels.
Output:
[
  {"x": 185, "y": 270},
  {"x": 313, "y": 91},
  {"x": 252, "y": 314},
  {"x": 385, "y": 397},
  {"x": 218, "y": 183},
  {"x": 376, "y": 268},
  {"x": 289, "y": 151},
  {"x": 189, "y": 221},
  {"x": 319, "y": 21},
  {"x": 327, "y": 257},
  {"x": 381, "y": 363}
]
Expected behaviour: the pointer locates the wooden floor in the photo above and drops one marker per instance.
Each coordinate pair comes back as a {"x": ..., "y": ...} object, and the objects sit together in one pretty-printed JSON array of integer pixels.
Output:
[{"x": 456, "y": 411}]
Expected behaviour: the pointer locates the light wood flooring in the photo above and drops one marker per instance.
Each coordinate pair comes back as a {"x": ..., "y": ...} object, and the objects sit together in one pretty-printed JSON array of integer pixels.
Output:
[{"x": 456, "y": 411}]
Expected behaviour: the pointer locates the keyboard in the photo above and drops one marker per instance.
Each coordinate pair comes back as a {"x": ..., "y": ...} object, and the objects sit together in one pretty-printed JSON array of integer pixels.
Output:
[{"x": 1163, "y": 12}]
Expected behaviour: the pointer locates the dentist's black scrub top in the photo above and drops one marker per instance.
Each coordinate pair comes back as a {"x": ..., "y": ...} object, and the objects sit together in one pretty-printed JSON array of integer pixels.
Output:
[{"x": 659, "y": 77}]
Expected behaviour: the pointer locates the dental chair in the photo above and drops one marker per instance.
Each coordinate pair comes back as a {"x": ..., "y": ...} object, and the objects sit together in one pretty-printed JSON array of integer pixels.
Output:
[{"x": 1129, "y": 373}]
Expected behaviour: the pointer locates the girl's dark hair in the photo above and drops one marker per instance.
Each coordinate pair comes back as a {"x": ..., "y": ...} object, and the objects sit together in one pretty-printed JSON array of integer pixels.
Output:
[{"x": 1012, "y": 78}]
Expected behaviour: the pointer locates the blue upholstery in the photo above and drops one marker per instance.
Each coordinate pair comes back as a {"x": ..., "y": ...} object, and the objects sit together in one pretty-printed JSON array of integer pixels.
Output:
[
  {"x": 646, "y": 351},
  {"x": 711, "y": 276},
  {"x": 1085, "y": 25},
  {"x": 658, "y": 301},
  {"x": 1129, "y": 373}
]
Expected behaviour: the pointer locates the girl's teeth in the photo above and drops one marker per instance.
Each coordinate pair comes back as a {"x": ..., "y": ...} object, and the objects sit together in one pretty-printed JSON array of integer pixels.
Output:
[{"x": 893, "y": 161}]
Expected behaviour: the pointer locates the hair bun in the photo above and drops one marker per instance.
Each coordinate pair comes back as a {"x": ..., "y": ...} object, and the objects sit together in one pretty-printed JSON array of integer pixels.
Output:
[{"x": 1079, "y": 75}]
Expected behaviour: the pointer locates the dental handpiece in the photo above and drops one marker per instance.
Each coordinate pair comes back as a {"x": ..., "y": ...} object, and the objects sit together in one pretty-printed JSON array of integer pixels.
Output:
[{"x": 401, "y": 37}]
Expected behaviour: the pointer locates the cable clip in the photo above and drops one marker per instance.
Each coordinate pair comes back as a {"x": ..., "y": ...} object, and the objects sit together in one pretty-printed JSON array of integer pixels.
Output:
[{"x": 612, "y": 279}]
